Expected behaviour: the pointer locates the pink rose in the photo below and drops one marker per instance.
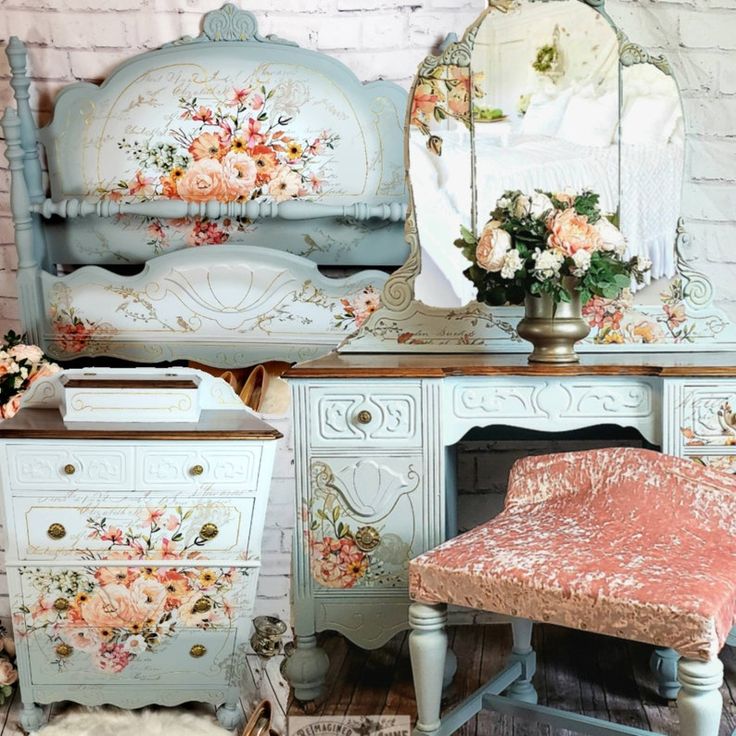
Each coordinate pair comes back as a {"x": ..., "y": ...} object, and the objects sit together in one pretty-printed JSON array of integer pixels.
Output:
[
  {"x": 8, "y": 675},
  {"x": 492, "y": 247},
  {"x": 571, "y": 232},
  {"x": 203, "y": 181},
  {"x": 239, "y": 172}
]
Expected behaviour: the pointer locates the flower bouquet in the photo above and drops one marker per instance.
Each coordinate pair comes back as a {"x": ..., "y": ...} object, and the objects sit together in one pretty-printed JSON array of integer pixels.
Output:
[
  {"x": 553, "y": 253},
  {"x": 8, "y": 673},
  {"x": 21, "y": 366}
]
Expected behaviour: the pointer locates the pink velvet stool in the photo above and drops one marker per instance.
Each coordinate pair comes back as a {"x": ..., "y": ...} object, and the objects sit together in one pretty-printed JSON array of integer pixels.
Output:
[{"x": 624, "y": 542}]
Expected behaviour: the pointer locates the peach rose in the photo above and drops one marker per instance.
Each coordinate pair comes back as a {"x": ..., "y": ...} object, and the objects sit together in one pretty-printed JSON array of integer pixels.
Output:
[
  {"x": 207, "y": 145},
  {"x": 8, "y": 675},
  {"x": 571, "y": 232},
  {"x": 202, "y": 182},
  {"x": 492, "y": 247},
  {"x": 45, "y": 370},
  {"x": 148, "y": 596},
  {"x": 285, "y": 185},
  {"x": 239, "y": 172},
  {"x": 109, "y": 609}
]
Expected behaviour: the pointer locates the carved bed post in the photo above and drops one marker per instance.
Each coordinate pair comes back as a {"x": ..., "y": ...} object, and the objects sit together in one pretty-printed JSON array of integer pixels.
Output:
[
  {"x": 29, "y": 286},
  {"x": 20, "y": 82}
]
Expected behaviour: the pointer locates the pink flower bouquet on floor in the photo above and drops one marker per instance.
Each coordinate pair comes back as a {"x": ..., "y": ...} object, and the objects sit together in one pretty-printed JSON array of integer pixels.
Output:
[
  {"x": 21, "y": 366},
  {"x": 533, "y": 244}
]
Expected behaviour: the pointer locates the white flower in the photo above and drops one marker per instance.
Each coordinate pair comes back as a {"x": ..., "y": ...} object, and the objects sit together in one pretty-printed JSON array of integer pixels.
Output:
[
  {"x": 541, "y": 204},
  {"x": 582, "y": 263},
  {"x": 503, "y": 203},
  {"x": 511, "y": 264},
  {"x": 643, "y": 264},
  {"x": 285, "y": 185},
  {"x": 31, "y": 353},
  {"x": 135, "y": 644},
  {"x": 547, "y": 264},
  {"x": 612, "y": 237},
  {"x": 522, "y": 206}
]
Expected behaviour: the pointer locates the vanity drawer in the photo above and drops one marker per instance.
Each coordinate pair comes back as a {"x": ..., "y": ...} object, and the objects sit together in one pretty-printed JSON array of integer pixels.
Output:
[
  {"x": 724, "y": 463},
  {"x": 365, "y": 519},
  {"x": 57, "y": 466},
  {"x": 368, "y": 413},
  {"x": 70, "y": 526},
  {"x": 192, "y": 465},
  {"x": 707, "y": 414}
]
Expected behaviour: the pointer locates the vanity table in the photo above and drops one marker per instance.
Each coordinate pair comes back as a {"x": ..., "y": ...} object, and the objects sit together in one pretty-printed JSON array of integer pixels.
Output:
[{"x": 374, "y": 435}]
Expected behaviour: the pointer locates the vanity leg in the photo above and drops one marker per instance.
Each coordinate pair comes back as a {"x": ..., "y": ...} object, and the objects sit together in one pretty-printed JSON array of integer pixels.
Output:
[
  {"x": 522, "y": 652},
  {"x": 428, "y": 648},
  {"x": 31, "y": 717},
  {"x": 306, "y": 668},
  {"x": 230, "y": 715},
  {"x": 663, "y": 664}
]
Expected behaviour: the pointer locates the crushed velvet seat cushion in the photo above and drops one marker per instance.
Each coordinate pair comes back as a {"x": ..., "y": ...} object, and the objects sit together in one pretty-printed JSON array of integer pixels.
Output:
[{"x": 623, "y": 542}]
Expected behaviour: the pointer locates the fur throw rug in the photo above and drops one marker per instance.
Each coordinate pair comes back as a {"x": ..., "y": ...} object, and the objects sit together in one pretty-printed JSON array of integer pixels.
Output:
[{"x": 114, "y": 722}]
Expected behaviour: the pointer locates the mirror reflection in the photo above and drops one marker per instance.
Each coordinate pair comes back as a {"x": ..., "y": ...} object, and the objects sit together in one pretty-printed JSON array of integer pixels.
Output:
[{"x": 545, "y": 105}]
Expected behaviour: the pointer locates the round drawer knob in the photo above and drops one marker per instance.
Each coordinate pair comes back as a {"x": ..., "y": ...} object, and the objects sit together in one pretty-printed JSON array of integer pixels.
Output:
[
  {"x": 69, "y": 469},
  {"x": 56, "y": 531},
  {"x": 198, "y": 650},
  {"x": 64, "y": 650},
  {"x": 367, "y": 538},
  {"x": 202, "y": 605},
  {"x": 61, "y": 604},
  {"x": 365, "y": 417},
  {"x": 196, "y": 470},
  {"x": 209, "y": 531}
]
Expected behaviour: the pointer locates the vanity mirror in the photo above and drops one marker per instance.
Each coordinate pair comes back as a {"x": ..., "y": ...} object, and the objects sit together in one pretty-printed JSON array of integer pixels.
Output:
[{"x": 545, "y": 95}]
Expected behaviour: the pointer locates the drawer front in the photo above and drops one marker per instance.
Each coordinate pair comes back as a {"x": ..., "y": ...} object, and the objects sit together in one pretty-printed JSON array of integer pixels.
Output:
[
  {"x": 368, "y": 413},
  {"x": 199, "y": 465},
  {"x": 95, "y": 661},
  {"x": 39, "y": 466},
  {"x": 91, "y": 622},
  {"x": 365, "y": 519},
  {"x": 74, "y": 525},
  {"x": 708, "y": 416},
  {"x": 724, "y": 463}
]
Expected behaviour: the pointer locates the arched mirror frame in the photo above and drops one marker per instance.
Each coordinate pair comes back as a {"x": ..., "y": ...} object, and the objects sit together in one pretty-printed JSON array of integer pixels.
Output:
[{"x": 403, "y": 324}]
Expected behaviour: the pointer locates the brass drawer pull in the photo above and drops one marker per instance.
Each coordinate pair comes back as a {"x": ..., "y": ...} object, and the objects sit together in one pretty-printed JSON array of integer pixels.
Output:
[
  {"x": 61, "y": 604},
  {"x": 365, "y": 417},
  {"x": 69, "y": 469},
  {"x": 367, "y": 538},
  {"x": 56, "y": 531},
  {"x": 209, "y": 531},
  {"x": 196, "y": 470},
  {"x": 198, "y": 650},
  {"x": 202, "y": 605},
  {"x": 64, "y": 650}
]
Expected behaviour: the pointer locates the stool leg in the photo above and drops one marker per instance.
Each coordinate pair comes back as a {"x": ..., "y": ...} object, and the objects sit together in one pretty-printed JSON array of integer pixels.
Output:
[
  {"x": 428, "y": 648},
  {"x": 522, "y": 652},
  {"x": 663, "y": 664},
  {"x": 699, "y": 702}
]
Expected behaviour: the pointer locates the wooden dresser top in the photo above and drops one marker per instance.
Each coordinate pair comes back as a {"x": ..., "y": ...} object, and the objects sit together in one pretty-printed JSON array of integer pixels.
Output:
[
  {"x": 213, "y": 425},
  {"x": 413, "y": 365}
]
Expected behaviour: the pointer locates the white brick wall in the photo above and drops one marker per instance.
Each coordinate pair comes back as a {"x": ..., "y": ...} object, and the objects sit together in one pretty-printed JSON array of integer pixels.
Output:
[{"x": 83, "y": 39}]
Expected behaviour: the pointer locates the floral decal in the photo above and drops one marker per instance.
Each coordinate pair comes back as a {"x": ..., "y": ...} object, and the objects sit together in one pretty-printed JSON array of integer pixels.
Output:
[
  {"x": 444, "y": 93},
  {"x": 724, "y": 463},
  {"x": 358, "y": 308},
  {"x": 113, "y": 613},
  {"x": 344, "y": 554},
  {"x": 73, "y": 333},
  {"x": 616, "y": 321},
  {"x": 235, "y": 150}
]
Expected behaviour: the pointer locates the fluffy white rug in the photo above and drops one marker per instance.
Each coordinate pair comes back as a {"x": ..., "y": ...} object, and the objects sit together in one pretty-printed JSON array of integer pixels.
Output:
[{"x": 109, "y": 722}]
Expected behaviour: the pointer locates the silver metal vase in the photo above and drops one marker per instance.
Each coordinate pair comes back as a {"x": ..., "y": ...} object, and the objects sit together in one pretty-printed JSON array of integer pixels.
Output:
[{"x": 553, "y": 329}]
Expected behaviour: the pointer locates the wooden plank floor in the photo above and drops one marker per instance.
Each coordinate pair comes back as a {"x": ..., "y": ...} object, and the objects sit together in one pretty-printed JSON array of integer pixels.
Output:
[{"x": 590, "y": 674}]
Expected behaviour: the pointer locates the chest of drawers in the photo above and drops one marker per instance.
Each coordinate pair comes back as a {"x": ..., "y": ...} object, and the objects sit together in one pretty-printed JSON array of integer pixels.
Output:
[{"x": 133, "y": 554}]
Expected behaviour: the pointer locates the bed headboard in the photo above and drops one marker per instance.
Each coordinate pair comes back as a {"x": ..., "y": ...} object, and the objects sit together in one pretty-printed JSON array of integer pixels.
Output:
[{"x": 231, "y": 140}]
